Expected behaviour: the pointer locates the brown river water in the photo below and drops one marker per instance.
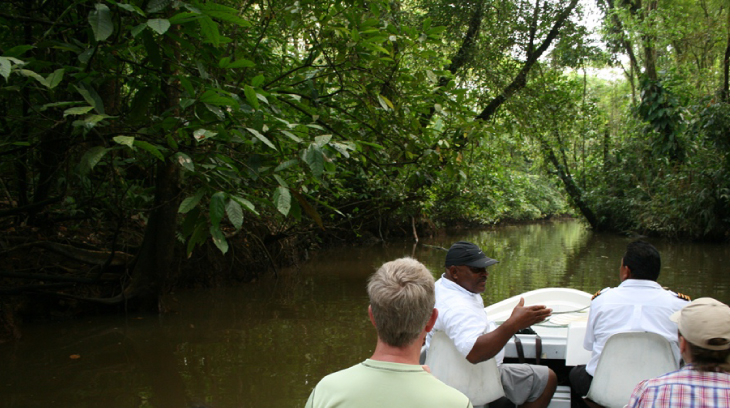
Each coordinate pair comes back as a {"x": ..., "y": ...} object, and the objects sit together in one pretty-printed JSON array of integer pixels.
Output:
[{"x": 266, "y": 344}]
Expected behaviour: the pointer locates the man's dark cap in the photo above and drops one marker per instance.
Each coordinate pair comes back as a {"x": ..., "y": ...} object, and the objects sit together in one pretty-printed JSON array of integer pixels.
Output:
[{"x": 466, "y": 253}]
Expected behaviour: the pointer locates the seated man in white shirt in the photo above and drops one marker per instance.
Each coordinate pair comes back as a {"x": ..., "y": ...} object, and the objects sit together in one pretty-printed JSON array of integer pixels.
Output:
[
  {"x": 638, "y": 304},
  {"x": 462, "y": 317}
]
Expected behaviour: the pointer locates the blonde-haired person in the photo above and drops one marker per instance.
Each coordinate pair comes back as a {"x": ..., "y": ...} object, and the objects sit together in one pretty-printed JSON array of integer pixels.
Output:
[
  {"x": 402, "y": 310},
  {"x": 704, "y": 381}
]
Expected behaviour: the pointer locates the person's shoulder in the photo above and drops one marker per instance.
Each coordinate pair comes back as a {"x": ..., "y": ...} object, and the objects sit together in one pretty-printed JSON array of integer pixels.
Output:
[
  {"x": 600, "y": 292},
  {"x": 680, "y": 296},
  {"x": 448, "y": 394}
]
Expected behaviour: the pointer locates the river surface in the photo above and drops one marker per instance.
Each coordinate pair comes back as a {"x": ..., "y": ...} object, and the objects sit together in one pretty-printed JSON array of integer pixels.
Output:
[{"x": 266, "y": 344}]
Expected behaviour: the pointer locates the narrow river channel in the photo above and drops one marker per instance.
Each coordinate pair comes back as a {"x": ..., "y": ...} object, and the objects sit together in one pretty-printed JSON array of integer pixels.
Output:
[{"x": 267, "y": 343}]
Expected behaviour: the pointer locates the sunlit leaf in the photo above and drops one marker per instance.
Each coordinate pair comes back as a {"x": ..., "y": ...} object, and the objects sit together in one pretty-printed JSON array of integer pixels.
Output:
[
  {"x": 125, "y": 140},
  {"x": 385, "y": 102},
  {"x": 159, "y": 25}
]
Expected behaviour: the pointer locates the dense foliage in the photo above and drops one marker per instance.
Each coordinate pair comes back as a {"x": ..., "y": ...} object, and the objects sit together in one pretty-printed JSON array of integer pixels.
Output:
[{"x": 264, "y": 121}]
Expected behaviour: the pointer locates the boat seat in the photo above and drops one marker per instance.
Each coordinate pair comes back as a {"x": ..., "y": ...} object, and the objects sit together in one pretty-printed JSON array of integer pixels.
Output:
[
  {"x": 481, "y": 382},
  {"x": 626, "y": 360}
]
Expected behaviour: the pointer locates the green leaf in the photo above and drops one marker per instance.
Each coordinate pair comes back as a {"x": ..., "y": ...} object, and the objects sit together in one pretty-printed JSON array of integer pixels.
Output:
[
  {"x": 190, "y": 202},
  {"x": 34, "y": 75},
  {"x": 315, "y": 159},
  {"x": 57, "y": 105},
  {"x": 214, "y": 98},
  {"x": 185, "y": 161},
  {"x": 5, "y": 67},
  {"x": 281, "y": 181},
  {"x": 246, "y": 204},
  {"x": 182, "y": 18},
  {"x": 219, "y": 239},
  {"x": 91, "y": 158},
  {"x": 77, "y": 111},
  {"x": 385, "y": 103},
  {"x": 152, "y": 149},
  {"x": 251, "y": 96},
  {"x": 285, "y": 165},
  {"x": 322, "y": 140},
  {"x": 209, "y": 29},
  {"x": 224, "y": 13},
  {"x": 282, "y": 200},
  {"x": 125, "y": 141},
  {"x": 101, "y": 22},
  {"x": 241, "y": 63},
  {"x": 160, "y": 25},
  {"x": 217, "y": 208},
  {"x": 131, "y": 8},
  {"x": 235, "y": 213},
  {"x": 257, "y": 81},
  {"x": 202, "y": 134},
  {"x": 198, "y": 237},
  {"x": 91, "y": 96},
  {"x": 262, "y": 138},
  {"x": 55, "y": 78},
  {"x": 292, "y": 136},
  {"x": 155, "y": 6}
]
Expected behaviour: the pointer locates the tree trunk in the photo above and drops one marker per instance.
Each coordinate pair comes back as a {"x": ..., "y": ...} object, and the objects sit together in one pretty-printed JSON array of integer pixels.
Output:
[
  {"x": 151, "y": 274},
  {"x": 574, "y": 192},
  {"x": 152, "y": 271}
]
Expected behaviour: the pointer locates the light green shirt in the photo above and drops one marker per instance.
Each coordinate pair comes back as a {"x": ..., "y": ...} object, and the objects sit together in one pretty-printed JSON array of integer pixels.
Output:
[{"x": 382, "y": 384}]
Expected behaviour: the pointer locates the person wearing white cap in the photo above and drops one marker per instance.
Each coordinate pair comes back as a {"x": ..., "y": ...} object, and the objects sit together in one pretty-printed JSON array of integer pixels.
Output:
[
  {"x": 462, "y": 318},
  {"x": 704, "y": 381}
]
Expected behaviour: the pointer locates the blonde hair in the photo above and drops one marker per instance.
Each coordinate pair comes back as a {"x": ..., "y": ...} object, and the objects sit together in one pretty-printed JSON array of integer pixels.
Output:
[{"x": 401, "y": 298}]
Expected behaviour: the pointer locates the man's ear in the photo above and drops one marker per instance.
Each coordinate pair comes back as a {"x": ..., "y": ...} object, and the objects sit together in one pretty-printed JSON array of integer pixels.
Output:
[
  {"x": 453, "y": 272},
  {"x": 370, "y": 314},
  {"x": 432, "y": 320},
  {"x": 625, "y": 272}
]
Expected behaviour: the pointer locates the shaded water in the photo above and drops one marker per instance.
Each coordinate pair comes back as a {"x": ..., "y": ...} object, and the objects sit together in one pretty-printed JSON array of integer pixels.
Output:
[{"x": 266, "y": 344}]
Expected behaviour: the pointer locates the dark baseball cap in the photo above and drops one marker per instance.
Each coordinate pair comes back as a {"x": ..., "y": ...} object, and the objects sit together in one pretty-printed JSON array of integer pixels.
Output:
[{"x": 466, "y": 253}]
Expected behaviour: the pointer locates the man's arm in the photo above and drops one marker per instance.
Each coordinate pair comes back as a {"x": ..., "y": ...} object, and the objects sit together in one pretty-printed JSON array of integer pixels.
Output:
[{"x": 489, "y": 344}]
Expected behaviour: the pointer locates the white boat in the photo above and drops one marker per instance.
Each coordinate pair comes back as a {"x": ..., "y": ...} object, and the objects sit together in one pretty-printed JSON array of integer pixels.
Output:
[{"x": 561, "y": 334}]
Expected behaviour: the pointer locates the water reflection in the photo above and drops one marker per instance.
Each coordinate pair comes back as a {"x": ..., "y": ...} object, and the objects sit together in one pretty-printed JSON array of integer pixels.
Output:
[{"x": 266, "y": 344}]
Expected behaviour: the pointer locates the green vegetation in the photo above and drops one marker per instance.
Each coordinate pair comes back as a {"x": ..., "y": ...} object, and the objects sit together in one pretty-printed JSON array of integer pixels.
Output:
[{"x": 165, "y": 128}]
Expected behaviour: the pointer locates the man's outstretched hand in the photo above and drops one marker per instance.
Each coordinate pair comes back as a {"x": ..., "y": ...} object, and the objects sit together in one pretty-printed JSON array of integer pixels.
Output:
[{"x": 525, "y": 316}]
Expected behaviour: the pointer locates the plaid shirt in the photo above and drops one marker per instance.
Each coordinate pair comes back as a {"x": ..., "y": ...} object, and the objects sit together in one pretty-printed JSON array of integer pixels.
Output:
[{"x": 684, "y": 388}]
